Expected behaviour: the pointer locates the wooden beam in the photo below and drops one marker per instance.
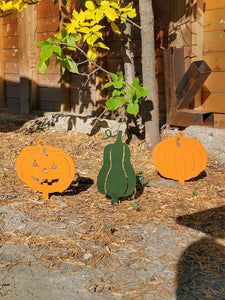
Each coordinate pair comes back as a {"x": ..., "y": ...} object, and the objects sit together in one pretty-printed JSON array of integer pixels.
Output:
[
  {"x": 197, "y": 21},
  {"x": 27, "y": 32},
  {"x": 2, "y": 72},
  {"x": 191, "y": 82},
  {"x": 173, "y": 72}
]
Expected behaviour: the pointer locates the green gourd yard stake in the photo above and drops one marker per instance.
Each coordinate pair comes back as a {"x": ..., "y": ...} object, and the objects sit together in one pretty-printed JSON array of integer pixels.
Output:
[{"x": 116, "y": 177}]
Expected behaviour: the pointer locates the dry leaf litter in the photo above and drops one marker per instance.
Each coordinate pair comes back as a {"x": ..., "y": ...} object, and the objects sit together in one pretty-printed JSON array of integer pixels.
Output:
[{"x": 167, "y": 241}]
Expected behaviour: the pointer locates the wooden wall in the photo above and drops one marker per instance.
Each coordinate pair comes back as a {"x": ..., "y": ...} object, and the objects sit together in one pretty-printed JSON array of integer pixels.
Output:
[
  {"x": 10, "y": 63},
  {"x": 49, "y": 91},
  {"x": 213, "y": 93},
  {"x": 52, "y": 91}
]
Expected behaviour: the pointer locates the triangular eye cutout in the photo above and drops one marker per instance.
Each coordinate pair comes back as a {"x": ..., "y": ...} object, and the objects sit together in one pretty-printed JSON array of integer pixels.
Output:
[
  {"x": 54, "y": 166},
  {"x": 45, "y": 170},
  {"x": 35, "y": 164}
]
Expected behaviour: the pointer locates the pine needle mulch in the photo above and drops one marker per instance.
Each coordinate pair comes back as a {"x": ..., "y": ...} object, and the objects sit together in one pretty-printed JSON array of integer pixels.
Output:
[{"x": 85, "y": 231}]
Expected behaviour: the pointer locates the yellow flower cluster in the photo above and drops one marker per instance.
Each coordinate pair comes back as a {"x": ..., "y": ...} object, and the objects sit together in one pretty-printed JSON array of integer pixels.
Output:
[
  {"x": 87, "y": 22},
  {"x": 18, "y": 5}
]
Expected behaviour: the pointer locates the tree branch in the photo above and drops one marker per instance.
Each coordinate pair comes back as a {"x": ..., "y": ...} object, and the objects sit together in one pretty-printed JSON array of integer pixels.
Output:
[
  {"x": 88, "y": 58},
  {"x": 130, "y": 21}
]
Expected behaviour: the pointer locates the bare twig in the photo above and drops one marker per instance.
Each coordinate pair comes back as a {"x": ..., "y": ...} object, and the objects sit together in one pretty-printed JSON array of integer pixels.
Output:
[
  {"x": 99, "y": 117},
  {"x": 89, "y": 75},
  {"x": 88, "y": 58},
  {"x": 130, "y": 21}
]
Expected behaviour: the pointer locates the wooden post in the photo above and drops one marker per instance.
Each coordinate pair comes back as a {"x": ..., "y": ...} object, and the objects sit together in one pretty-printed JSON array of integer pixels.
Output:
[
  {"x": 65, "y": 12},
  {"x": 173, "y": 72},
  {"x": 2, "y": 73},
  {"x": 197, "y": 39},
  {"x": 27, "y": 35}
]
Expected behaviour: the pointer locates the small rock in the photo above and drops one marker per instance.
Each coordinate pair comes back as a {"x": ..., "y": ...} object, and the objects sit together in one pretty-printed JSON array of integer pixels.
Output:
[{"x": 87, "y": 256}]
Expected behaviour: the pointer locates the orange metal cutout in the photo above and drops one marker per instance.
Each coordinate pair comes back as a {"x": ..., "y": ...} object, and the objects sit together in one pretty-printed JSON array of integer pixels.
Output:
[
  {"x": 179, "y": 158},
  {"x": 45, "y": 169}
]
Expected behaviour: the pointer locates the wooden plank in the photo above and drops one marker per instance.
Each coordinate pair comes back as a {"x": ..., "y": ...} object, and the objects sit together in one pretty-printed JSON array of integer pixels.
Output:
[
  {"x": 10, "y": 55},
  {"x": 214, "y": 19},
  {"x": 214, "y": 102},
  {"x": 180, "y": 28},
  {"x": 191, "y": 82},
  {"x": 48, "y": 25},
  {"x": 47, "y": 10},
  {"x": 42, "y": 36},
  {"x": 215, "y": 60},
  {"x": 160, "y": 83},
  {"x": 215, "y": 83},
  {"x": 219, "y": 120},
  {"x": 162, "y": 102},
  {"x": 13, "y": 104},
  {"x": 161, "y": 8},
  {"x": 49, "y": 106},
  {"x": 11, "y": 67},
  {"x": 48, "y": 80},
  {"x": 159, "y": 66},
  {"x": 214, "y": 41},
  {"x": 12, "y": 79},
  {"x": 169, "y": 83},
  {"x": 12, "y": 19},
  {"x": 10, "y": 42},
  {"x": 12, "y": 91},
  {"x": 214, "y": 4},
  {"x": 197, "y": 19},
  {"x": 27, "y": 24},
  {"x": 10, "y": 29},
  {"x": 84, "y": 101},
  {"x": 2, "y": 70},
  {"x": 50, "y": 94}
]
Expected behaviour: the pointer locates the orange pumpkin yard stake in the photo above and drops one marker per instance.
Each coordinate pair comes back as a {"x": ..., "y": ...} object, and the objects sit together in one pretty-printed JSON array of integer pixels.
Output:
[
  {"x": 45, "y": 169},
  {"x": 179, "y": 158}
]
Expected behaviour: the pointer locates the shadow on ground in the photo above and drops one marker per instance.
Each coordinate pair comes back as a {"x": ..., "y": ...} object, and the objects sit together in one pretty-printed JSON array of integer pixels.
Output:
[
  {"x": 201, "y": 267},
  {"x": 12, "y": 122}
]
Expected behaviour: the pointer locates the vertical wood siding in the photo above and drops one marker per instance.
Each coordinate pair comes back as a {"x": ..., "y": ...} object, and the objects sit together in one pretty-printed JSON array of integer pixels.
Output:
[
  {"x": 214, "y": 54},
  {"x": 11, "y": 63},
  {"x": 84, "y": 99}
]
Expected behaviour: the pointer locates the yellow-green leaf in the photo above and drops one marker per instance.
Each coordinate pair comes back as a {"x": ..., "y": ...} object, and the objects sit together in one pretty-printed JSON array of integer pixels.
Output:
[
  {"x": 92, "y": 53},
  {"x": 97, "y": 28},
  {"x": 84, "y": 30},
  {"x": 101, "y": 45},
  {"x": 104, "y": 5},
  {"x": 89, "y": 5},
  {"x": 132, "y": 14},
  {"x": 114, "y": 4},
  {"x": 115, "y": 28},
  {"x": 81, "y": 17},
  {"x": 111, "y": 14},
  {"x": 98, "y": 15},
  {"x": 92, "y": 39}
]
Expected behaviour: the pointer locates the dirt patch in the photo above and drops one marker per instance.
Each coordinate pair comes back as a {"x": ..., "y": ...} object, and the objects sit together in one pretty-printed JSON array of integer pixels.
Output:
[{"x": 165, "y": 242}]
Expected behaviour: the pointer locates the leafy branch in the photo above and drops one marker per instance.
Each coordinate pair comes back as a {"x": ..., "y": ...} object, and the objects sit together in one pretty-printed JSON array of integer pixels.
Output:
[
  {"x": 84, "y": 27},
  {"x": 128, "y": 94}
]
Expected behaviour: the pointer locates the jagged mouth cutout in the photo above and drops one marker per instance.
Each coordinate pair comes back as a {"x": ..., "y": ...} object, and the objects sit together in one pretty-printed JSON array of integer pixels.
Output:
[{"x": 45, "y": 181}]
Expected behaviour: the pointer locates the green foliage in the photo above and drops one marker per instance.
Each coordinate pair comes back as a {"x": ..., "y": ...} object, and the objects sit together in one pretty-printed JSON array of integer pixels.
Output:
[
  {"x": 195, "y": 192},
  {"x": 52, "y": 47},
  {"x": 141, "y": 178},
  {"x": 135, "y": 205},
  {"x": 129, "y": 95},
  {"x": 107, "y": 226},
  {"x": 85, "y": 27}
]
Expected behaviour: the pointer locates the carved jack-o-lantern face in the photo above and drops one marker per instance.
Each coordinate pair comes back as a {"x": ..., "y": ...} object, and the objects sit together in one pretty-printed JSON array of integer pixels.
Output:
[{"x": 45, "y": 169}]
